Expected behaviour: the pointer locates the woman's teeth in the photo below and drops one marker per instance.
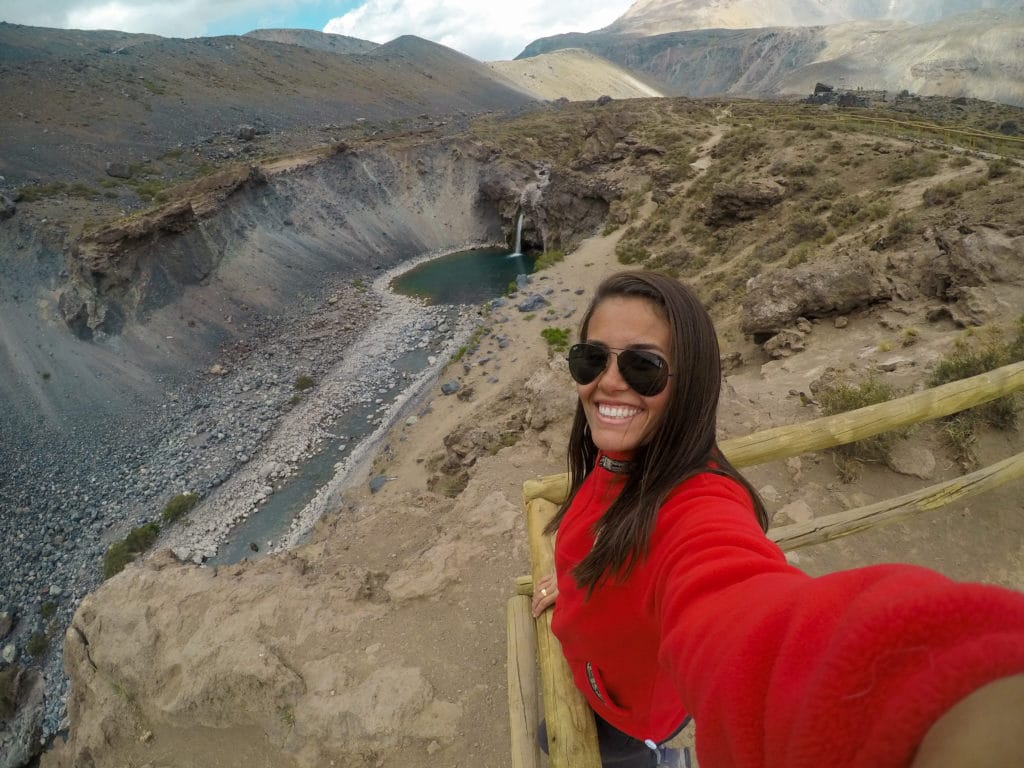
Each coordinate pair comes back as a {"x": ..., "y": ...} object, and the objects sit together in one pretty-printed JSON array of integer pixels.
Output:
[{"x": 617, "y": 411}]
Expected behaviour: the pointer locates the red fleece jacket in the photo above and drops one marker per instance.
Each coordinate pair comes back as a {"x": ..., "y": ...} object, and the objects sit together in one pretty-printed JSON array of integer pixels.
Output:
[{"x": 778, "y": 669}]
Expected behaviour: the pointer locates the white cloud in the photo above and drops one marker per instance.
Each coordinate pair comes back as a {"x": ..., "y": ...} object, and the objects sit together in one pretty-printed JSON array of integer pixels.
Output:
[
  {"x": 172, "y": 19},
  {"x": 487, "y": 31},
  {"x": 179, "y": 18}
]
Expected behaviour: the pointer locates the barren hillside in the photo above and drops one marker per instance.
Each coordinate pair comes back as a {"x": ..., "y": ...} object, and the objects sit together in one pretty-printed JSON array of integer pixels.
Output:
[
  {"x": 973, "y": 55},
  {"x": 577, "y": 75}
]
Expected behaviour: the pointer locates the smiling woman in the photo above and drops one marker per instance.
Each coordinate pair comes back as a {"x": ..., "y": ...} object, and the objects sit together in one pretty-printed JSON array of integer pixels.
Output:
[{"x": 670, "y": 602}]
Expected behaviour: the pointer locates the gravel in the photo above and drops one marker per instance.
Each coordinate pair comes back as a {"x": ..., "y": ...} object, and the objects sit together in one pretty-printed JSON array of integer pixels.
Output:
[{"x": 225, "y": 436}]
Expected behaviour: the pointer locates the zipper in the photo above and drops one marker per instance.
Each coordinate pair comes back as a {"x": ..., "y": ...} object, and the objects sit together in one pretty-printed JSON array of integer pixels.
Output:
[{"x": 593, "y": 683}]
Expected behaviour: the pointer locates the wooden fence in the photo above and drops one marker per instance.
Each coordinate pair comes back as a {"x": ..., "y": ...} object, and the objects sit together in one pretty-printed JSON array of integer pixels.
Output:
[{"x": 571, "y": 737}]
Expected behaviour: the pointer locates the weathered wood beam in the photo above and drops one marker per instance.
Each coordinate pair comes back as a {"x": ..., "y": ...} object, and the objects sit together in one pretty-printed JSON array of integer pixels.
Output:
[
  {"x": 523, "y": 702},
  {"x": 828, "y": 527},
  {"x": 572, "y": 737}
]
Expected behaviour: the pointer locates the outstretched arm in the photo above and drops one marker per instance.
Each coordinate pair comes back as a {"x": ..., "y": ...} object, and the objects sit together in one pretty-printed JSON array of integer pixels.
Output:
[{"x": 858, "y": 667}]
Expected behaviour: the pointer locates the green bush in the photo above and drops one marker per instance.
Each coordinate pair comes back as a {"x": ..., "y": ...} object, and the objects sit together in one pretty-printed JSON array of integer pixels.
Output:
[
  {"x": 951, "y": 190},
  {"x": 630, "y": 253},
  {"x": 1000, "y": 167},
  {"x": 916, "y": 165},
  {"x": 844, "y": 397},
  {"x": 974, "y": 353},
  {"x": 302, "y": 383},
  {"x": 37, "y": 645},
  {"x": 8, "y": 691},
  {"x": 805, "y": 228},
  {"x": 547, "y": 259},
  {"x": 557, "y": 338},
  {"x": 142, "y": 538},
  {"x": 179, "y": 506},
  {"x": 739, "y": 145},
  {"x": 120, "y": 553}
]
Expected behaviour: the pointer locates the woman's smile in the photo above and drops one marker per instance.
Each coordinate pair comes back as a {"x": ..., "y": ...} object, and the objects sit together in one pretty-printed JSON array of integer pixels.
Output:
[{"x": 619, "y": 417}]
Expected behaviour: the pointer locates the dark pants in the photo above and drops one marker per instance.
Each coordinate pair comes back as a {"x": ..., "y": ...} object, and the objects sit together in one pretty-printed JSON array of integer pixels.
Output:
[{"x": 618, "y": 750}]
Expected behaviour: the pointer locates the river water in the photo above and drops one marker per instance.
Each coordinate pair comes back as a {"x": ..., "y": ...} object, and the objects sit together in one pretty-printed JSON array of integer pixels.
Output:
[{"x": 454, "y": 281}]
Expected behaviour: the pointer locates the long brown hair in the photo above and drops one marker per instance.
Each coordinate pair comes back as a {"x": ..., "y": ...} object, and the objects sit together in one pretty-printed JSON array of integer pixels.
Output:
[{"x": 683, "y": 443}]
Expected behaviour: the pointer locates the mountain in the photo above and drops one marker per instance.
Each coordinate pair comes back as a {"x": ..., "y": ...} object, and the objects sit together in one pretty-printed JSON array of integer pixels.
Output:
[
  {"x": 975, "y": 54},
  {"x": 308, "y": 38},
  {"x": 655, "y": 17},
  {"x": 70, "y": 96},
  {"x": 576, "y": 74}
]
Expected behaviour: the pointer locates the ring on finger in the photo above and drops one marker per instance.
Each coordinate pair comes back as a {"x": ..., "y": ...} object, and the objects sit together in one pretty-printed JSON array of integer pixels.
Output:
[{"x": 543, "y": 592}]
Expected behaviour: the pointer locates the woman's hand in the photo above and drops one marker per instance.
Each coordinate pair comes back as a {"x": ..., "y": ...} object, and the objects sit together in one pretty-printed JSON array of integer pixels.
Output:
[
  {"x": 983, "y": 730},
  {"x": 545, "y": 592}
]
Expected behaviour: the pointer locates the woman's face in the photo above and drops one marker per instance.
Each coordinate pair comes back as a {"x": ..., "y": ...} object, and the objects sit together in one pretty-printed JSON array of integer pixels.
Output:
[{"x": 620, "y": 419}]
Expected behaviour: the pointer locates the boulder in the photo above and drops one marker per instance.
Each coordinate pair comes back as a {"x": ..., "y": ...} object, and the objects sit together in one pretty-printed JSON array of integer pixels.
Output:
[
  {"x": 19, "y": 737},
  {"x": 911, "y": 459},
  {"x": 969, "y": 259},
  {"x": 246, "y": 132},
  {"x": 7, "y": 207},
  {"x": 784, "y": 344},
  {"x": 741, "y": 201},
  {"x": 777, "y": 298},
  {"x": 118, "y": 170}
]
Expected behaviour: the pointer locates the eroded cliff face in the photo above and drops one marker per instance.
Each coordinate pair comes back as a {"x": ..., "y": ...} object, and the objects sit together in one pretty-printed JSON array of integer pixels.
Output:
[
  {"x": 159, "y": 293},
  {"x": 325, "y": 655}
]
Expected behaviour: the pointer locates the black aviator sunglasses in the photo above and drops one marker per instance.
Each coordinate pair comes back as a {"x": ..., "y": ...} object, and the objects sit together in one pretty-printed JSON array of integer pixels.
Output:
[{"x": 645, "y": 372}]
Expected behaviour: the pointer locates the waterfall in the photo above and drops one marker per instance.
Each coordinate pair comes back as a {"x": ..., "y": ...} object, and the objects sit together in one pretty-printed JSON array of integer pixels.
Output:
[{"x": 519, "y": 237}]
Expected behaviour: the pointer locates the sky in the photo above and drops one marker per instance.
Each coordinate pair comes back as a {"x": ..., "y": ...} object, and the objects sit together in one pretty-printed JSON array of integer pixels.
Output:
[{"x": 487, "y": 30}]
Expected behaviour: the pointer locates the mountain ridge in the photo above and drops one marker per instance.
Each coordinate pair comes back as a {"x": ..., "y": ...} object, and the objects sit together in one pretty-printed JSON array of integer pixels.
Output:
[{"x": 959, "y": 56}]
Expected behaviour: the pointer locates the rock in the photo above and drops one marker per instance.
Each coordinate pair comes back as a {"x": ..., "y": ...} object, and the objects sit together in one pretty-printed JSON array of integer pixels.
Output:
[
  {"x": 9, "y": 653},
  {"x": 246, "y": 132},
  {"x": 798, "y": 511},
  {"x": 522, "y": 281},
  {"x": 19, "y": 740},
  {"x": 971, "y": 259},
  {"x": 450, "y": 387},
  {"x": 378, "y": 482},
  {"x": 7, "y": 207},
  {"x": 602, "y": 100},
  {"x": 775, "y": 299},
  {"x": 895, "y": 363},
  {"x": 118, "y": 170},
  {"x": 532, "y": 303},
  {"x": 841, "y": 322},
  {"x": 909, "y": 458},
  {"x": 741, "y": 201},
  {"x": 6, "y": 622},
  {"x": 784, "y": 344}
]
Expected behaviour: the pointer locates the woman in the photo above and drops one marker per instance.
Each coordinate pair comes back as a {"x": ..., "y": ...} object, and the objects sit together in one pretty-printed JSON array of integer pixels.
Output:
[{"x": 669, "y": 600}]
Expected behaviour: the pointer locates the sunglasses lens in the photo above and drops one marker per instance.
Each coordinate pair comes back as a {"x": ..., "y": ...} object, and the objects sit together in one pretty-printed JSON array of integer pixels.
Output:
[
  {"x": 587, "y": 362},
  {"x": 645, "y": 372}
]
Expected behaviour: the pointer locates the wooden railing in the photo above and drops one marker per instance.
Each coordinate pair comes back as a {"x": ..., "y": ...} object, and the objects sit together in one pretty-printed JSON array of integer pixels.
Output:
[{"x": 572, "y": 740}]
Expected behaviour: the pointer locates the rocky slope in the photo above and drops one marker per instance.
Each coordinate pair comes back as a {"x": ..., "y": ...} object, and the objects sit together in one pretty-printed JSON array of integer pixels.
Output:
[
  {"x": 576, "y": 74},
  {"x": 308, "y": 38},
  {"x": 967, "y": 55},
  {"x": 70, "y": 106},
  {"x": 655, "y": 17}
]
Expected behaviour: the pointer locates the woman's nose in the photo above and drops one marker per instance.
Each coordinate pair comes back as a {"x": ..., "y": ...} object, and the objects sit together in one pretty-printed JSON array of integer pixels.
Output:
[{"x": 612, "y": 378}]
